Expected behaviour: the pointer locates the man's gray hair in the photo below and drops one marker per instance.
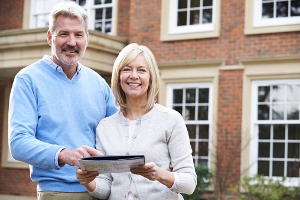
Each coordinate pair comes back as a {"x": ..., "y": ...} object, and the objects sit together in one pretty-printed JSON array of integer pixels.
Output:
[{"x": 67, "y": 9}]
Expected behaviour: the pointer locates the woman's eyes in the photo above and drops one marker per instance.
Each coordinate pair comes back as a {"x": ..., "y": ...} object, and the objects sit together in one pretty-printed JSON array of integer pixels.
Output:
[
  {"x": 126, "y": 69},
  {"x": 129, "y": 69}
]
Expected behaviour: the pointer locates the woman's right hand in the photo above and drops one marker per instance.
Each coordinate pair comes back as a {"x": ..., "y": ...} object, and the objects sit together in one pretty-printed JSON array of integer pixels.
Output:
[{"x": 86, "y": 179}]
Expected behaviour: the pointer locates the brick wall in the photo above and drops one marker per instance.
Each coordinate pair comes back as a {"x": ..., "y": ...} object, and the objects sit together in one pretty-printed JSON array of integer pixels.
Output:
[
  {"x": 231, "y": 45},
  {"x": 11, "y": 14}
]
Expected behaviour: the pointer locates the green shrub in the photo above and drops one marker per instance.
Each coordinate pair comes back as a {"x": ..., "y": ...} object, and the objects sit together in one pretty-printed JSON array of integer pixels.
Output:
[
  {"x": 260, "y": 187},
  {"x": 203, "y": 182}
]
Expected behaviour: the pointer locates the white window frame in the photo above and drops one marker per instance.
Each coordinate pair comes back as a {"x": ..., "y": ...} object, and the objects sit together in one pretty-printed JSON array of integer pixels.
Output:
[
  {"x": 169, "y": 104},
  {"x": 255, "y": 24},
  {"x": 174, "y": 29},
  {"x": 90, "y": 7},
  {"x": 291, "y": 182},
  {"x": 258, "y": 21},
  {"x": 170, "y": 30},
  {"x": 45, "y": 9}
]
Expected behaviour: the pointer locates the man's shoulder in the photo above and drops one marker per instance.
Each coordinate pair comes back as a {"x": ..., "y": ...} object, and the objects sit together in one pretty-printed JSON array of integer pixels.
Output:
[{"x": 31, "y": 69}]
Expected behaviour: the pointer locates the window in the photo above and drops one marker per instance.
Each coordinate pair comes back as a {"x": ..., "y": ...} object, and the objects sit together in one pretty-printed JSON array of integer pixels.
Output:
[
  {"x": 40, "y": 10},
  {"x": 101, "y": 13},
  {"x": 276, "y": 129},
  {"x": 272, "y": 15},
  {"x": 194, "y": 103},
  {"x": 184, "y": 19}
]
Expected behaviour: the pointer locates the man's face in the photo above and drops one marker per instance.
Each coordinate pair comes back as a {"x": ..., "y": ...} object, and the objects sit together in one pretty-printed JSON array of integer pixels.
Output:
[{"x": 68, "y": 41}]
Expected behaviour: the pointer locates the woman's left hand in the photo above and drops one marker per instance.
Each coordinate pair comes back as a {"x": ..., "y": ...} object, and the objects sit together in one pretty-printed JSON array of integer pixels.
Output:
[
  {"x": 149, "y": 170},
  {"x": 154, "y": 173}
]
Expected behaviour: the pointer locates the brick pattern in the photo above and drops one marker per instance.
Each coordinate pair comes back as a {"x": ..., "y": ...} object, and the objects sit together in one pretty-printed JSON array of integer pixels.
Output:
[
  {"x": 229, "y": 128},
  {"x": 231, "y": 45},
  {"x": 11, "y": 14}
]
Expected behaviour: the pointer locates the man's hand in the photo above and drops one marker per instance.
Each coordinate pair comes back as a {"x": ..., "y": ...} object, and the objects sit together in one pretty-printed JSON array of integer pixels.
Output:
[{"x": 70, "y": 157}]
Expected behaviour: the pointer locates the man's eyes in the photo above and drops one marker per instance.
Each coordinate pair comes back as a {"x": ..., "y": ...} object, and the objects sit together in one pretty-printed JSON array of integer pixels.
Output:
[{"x": 66, "y": 34}]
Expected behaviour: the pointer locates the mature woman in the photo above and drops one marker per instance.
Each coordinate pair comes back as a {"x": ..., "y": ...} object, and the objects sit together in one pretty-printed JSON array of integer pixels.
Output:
[{"x": 142, "y": 127}]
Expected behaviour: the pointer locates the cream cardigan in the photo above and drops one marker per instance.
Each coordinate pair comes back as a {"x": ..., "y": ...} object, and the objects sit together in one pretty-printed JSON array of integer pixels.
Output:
[{"x": 161, "y": 136}]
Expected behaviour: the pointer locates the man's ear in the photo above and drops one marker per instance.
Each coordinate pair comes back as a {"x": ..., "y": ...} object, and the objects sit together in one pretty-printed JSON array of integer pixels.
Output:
[
  {"x": 87, "y": 38},
  {"x": 49, "y": 38}
]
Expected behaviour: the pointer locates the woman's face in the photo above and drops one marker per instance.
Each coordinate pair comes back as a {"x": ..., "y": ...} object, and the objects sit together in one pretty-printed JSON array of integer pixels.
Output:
[{"x": 135, "y": 79}]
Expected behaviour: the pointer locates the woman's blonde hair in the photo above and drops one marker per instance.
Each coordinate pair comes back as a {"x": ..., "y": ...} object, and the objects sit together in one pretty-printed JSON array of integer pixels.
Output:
[{"x": 126, "y": 56}]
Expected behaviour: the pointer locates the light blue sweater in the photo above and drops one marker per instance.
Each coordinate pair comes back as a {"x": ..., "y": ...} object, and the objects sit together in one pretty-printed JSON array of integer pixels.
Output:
[{"x": 47, "y": 112}]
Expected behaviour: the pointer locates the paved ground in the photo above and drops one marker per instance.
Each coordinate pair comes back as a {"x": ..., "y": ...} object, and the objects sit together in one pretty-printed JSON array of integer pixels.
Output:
[{"x": 10, "y": 197}]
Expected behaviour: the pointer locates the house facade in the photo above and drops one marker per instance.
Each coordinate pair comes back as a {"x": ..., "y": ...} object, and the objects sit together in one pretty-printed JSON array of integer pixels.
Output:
[{"x": 231, "y": 68}]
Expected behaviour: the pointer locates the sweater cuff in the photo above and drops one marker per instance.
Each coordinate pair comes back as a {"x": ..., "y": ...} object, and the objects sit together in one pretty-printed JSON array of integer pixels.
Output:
[
  {"x": 176, "y": 179},
  {"x": 56, "y": 158}
]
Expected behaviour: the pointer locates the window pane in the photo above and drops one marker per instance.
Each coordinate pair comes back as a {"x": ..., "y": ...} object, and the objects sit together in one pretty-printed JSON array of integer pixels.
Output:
[
  {"x": 278, "y": 150},
  {"x": 207, "y": 16},
  {"x": 189, "y": 113},
  {"x": 263, "y": 150},
  {"x": 192, "y": 131},
  {"x": 278, "y": 112},
  {"x": 279, "y": 131},
  {"x": 82, "y": 3},
  {"x": 293, "y": 150},
  {"x": 99, "y": 14},
  {"x": 293, "y": 111},
  {"x": 182, "y": 18},
  {"x": 267, "y": 10},
  {"x": 203, "y": 95},
  {"x": 195, "y": 3},
  {"x": 97, "y": 2},
  {"x": 190, "y": 95},
  {"x": 264, "y": 131},
  {"x": 295, "y": 8},
  {"x": 204, "y": 131},
  {"x": 263, "y": 168},
  {"x": 293, "y": 169},
  {"x": 108, "y": 1},
  {"x": 98, "y": 26},
  {"x": 263, "y": 112},
  {"x": 278, "y": 93},
  {"x": 108, "y": 13},
  {"x": 294, "y": 132},
  {"x": 194, "y": 17},
  {"x": 207, "y": 2},
  {"x": 293, "y": 91},
  {"x": 278, "y": 168},
  {"x": 177, "y": 96},
  {"x": 202, "y": 112},
  {"x": 203, "y": 148},
  {"x": 282, "y": 9},
  {"x": 182, "y": 4},
  {"x": 107, "y": 26},
  {"x": 264, "y": 94}
]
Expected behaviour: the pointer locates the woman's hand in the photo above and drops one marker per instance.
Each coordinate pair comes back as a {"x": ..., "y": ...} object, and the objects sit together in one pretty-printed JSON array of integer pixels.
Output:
[
  {"x": 86, "y": 179},
  {"x": 154, "y": 173}
]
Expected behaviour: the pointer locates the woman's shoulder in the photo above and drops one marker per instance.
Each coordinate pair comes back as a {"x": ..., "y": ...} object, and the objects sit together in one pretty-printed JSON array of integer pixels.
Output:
[
  {"x": 115, "y": 118},
  {"x": 158, "y": 108}
]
